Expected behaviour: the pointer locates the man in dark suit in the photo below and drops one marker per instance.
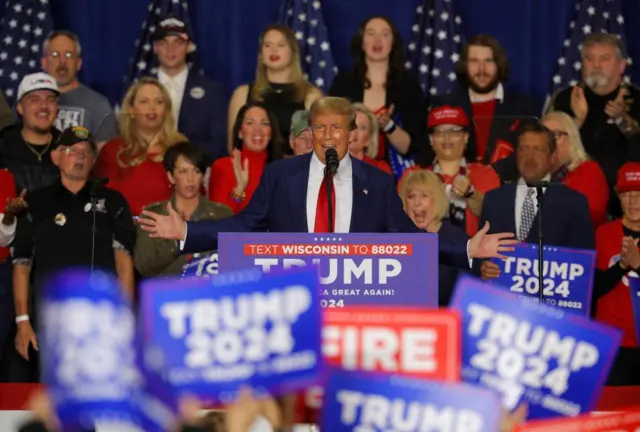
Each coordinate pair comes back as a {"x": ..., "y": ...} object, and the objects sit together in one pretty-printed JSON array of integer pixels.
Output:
[
  {"x": 513, "y": 207},
  {"x": 199, "y": 104},
  {"x": 496, "y": 111},
  {"x": 291, "y": 197}
]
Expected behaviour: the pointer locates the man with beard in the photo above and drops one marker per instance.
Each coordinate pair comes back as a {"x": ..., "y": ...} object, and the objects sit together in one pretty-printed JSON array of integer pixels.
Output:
[
  {"x": 78, "y": 105},
  {"x": 25, "y": 147},
  {"x": 604, "y": 107},
  {"x": 56, "y": 234},
  {"x": 496, "y": 112}
]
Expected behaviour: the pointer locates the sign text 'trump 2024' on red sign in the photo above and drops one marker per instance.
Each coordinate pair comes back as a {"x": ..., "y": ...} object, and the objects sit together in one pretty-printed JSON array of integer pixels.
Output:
[{"x": 355, "y": 269}]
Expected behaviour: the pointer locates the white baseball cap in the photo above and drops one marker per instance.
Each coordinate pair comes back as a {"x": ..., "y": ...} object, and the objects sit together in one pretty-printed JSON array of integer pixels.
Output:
[{"x": 37, "y": 81}]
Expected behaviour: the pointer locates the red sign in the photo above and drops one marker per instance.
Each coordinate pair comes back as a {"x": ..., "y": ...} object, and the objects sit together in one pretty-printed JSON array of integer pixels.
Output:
[
  {"x": 412, "y": 342},
  {"x": 422, "y": 343},
  {"x": 628, "y": 421}
]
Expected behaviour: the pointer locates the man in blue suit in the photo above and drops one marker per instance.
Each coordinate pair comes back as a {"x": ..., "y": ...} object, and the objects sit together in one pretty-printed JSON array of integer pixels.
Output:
[
  {"x": 291, "y": 197},
  {"x": 199, "y": 104},
  {"x": 513, "y": 207}
]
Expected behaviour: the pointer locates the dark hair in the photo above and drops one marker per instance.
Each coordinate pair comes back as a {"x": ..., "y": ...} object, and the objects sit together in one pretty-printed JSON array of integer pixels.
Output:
[
  {"x": 396, "y": 57},
  {"x": 275, "y": 147},
  {"x": 540, "y": 129},
  {"x": 500, "y": 57},
  {"x": 190, "y": 151}
]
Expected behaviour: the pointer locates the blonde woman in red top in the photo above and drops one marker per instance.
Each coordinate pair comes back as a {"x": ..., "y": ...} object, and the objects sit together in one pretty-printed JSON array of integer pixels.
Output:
[
  {"x": 465, "y": 183},
  {"x": 364, "y": 146},
  {"x": 133, "y": 161},
  {"x": 257, "y": 141},
  {"x": 573, "y": 167}
]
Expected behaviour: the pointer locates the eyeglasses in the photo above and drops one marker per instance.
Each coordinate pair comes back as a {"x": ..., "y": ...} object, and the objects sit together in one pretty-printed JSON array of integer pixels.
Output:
[
  {"x": 55, "y": 55},
  {"x": 457, "y": 132},
  {"x": 75, "y": 152}
]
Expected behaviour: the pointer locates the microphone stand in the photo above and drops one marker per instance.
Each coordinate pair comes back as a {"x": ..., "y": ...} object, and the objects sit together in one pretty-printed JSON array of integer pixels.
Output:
[
  {"x": 540, "y": 198},
  {"x": 94, "y": 229},
  {"x": 328, "y": 179}
]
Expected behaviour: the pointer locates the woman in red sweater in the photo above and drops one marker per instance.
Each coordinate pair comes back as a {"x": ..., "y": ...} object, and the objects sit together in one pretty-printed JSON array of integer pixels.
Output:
[
  {"x": 465, "y": 183},
  {"x": 257, "y": 142},
  {"x": 618, "y": 261},
  {"x": 365, "y": 144},
  {"x": 574, "y": 169},
  {"x": 133, "y": 161}
]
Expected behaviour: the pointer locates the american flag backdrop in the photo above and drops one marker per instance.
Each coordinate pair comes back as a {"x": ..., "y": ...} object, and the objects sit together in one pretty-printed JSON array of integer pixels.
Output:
[
  {"x": 23, "y": 29},
  {"x": 144, "y": 62},
  {"x": 603, "y": 16},
  {"x": 434, "y": 48},
  {"x": 306, "y": 20}
]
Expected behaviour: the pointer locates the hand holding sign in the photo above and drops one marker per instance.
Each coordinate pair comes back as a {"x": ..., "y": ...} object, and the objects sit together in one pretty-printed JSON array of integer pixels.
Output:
[{"x": 489, "y": 270}]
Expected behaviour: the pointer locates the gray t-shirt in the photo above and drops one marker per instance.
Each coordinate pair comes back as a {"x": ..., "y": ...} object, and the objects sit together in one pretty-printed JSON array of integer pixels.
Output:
[{"x": 83, "y": 106}]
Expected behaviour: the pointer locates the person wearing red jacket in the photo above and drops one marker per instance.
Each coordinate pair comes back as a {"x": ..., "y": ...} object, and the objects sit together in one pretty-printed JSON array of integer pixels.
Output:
[
  {"x": 574, "y": 168},
  {"x": 617, "y": 261},
  {"x": 465, "y": 183},
  {"x": 257, "y": 142}
]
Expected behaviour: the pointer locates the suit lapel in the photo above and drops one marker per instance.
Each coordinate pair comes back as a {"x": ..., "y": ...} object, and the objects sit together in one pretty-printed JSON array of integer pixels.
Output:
[
  {"x": 186, "y": 99},
  {"x": 298, "y": 183},
  {"x": 360, "y": 197},
  {"x": 511, "y": 190}
]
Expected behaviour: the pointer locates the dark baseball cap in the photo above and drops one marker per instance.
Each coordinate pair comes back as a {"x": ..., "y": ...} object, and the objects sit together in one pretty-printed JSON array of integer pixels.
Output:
[
  {"x": 171, "y": 27},
  {"x": 74, "y": 135}
]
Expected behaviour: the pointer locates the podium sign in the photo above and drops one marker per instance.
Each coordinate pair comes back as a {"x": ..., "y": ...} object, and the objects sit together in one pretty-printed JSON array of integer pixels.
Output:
[{"x": 354, "y": 269}]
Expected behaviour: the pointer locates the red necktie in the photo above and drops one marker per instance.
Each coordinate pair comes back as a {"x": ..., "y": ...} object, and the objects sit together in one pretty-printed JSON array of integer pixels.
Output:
[{"x": 322, "y": 209}]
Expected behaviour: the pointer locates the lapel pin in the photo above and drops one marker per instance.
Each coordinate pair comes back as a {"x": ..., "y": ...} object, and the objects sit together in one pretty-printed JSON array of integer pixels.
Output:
[
  {"x": 60, "y": 219},
  {"x": 366, "y": 192}
]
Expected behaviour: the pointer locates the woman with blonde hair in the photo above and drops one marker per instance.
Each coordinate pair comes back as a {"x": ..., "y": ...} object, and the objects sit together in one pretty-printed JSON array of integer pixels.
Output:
[
  {"x": 279, "y": 82},
  {"x": 364, "y": 146},
  {"x": 133, "y": 161},
  {"x": 573, "y": 168}
]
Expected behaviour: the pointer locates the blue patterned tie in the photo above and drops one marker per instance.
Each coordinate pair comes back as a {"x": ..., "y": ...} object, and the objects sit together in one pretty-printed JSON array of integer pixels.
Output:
[{"x": 528, "y": 214}]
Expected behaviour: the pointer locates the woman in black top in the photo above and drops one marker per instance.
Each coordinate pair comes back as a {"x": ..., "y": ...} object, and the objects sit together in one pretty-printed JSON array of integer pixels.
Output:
[
  {"x": 380, "y": 81},
  {"x": 279, "y": 82}
]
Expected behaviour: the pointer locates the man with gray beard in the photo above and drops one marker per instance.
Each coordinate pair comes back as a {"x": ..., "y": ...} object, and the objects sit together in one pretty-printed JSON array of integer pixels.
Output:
[{"x": 604, "y": 107}]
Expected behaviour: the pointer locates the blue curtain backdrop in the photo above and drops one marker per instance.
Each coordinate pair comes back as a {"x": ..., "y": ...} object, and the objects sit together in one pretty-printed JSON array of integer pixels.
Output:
[{"x": 532, "y": 31}]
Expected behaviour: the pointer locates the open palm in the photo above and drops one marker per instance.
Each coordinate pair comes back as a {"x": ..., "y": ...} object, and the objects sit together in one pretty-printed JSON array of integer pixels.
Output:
[
  {"x": 483, "y": 245},
  {"x": 170, "y": 227}
]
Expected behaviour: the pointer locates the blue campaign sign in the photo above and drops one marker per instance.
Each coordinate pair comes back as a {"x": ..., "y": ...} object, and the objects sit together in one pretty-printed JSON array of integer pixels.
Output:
[
  {"x": 567, "y": 276},
  {"x": 209, "y": 337},
  {"x": 354, "y": 269},
  {"x": 201, "y": 266},
  {"x": 88, "y": 355},
  {"x": 554, "y": 360},
  {"x": 357, "y": 401}
]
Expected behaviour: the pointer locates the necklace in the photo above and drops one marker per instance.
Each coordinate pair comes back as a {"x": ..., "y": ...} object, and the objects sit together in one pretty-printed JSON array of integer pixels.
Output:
[{"x": 38, "y": 154}]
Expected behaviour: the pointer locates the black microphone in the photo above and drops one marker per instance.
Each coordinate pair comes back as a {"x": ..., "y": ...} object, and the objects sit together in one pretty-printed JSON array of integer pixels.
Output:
[
  {"x": 331, "y": 168},
  {"x": 331, "y": 160}
]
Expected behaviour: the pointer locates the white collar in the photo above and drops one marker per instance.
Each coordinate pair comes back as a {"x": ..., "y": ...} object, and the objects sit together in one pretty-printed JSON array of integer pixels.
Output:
[
  {"x": 546, "y": 178},
  {"x": 180, "y": 79},
  {"x": 499, "y": 95},
  {"x": 343, "y": 169}
]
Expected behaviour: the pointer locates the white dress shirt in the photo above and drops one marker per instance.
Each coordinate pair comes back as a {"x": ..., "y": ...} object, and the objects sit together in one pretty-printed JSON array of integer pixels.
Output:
[
  {"x": 175, "y": 86},
  {"x": 474, "y": 97},
  {"x": 7, "y": 232},
  {"x": 343, "y": 189},
  {"x": 521, "y": 195}
]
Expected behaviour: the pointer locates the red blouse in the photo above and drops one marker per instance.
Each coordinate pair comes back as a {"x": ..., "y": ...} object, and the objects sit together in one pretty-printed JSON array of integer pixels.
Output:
[
  {"x": 7, "y": 191},
  {"x": 222, "y": 180},
  {"x": 384, "y": 166},
  {"x": 615, "y": 308},
  {"x": 589, "y": 180},
  {"x": 140, "y": 185}
]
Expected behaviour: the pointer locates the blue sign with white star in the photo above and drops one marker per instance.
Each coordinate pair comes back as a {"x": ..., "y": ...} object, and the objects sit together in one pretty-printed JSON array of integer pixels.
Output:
[
  {"x": 354, "y": 269},
  {"x": 567, "y": 276}
]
